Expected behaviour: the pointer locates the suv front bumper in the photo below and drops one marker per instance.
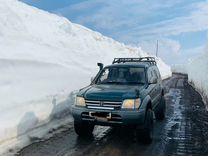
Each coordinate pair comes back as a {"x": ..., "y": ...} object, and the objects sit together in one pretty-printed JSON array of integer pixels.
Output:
[{"x": 117, "y": 117}]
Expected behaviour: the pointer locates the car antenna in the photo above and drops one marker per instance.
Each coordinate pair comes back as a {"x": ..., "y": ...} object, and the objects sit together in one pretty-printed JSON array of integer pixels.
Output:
[{"x": 157, "y": 49}]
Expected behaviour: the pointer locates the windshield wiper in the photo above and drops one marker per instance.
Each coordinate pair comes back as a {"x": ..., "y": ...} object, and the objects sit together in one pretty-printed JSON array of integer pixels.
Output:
[
  {"x": 136, "y": 83},
  {"x": 114, "y": 82}
]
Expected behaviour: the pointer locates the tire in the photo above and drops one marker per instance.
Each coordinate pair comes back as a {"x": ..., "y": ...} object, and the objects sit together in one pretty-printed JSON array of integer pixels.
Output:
[
  {"x": 146, "y": 134},
  {"x": 160, "y": 113},
  {"x": 83, "y": 129}
]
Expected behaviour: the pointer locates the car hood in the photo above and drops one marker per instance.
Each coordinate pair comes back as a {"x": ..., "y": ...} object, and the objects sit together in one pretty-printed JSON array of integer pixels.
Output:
[{"x": 111, "y": 92}]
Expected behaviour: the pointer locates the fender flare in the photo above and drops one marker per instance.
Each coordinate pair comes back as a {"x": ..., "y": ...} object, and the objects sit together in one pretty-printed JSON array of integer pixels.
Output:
[{"x": 145, "y": 102}]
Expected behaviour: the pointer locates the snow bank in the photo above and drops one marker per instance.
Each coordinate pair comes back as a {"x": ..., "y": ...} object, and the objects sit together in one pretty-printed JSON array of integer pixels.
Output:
[
  {"x": 179, "y": 68},
  {"x": 197, "y": 71},
  {"x": 198, "y": 75},
  {"x": 164, "y": 69},
  {"x": 43, "y": 58}
]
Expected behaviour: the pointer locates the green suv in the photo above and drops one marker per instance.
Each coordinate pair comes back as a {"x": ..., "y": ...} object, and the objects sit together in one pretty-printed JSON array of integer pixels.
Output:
[{"x": 128, "y": 93}]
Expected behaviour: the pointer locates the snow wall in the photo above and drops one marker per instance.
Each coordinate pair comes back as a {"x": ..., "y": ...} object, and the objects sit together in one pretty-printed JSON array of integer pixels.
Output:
[
  {"x": 198, "y": 74},
  {"x": 43, "y": 59},
  {"x": 197, "y": 70}
]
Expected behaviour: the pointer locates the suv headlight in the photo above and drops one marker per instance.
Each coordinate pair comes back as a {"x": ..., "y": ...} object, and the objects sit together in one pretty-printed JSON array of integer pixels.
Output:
[
  {"x": 80, "y": 101},
  {"x": 131, "y": 104}
]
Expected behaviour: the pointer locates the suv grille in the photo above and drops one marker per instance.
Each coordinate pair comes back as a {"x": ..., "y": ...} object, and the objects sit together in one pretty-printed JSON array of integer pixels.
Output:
[{"x": 106, "y": 105}]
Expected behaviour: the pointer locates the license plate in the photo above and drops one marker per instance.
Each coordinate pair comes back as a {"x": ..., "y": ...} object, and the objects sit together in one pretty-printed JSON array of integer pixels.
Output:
[
  {"x": 100, "y": 115},
  {"x": 101, "y": 118}
]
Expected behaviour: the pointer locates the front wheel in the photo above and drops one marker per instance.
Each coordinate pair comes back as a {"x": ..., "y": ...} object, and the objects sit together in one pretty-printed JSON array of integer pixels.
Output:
[
  {"x": 83, "y": 129},
  {"x": 160, "y": 113},
  {"x": 146, "y": 134}
]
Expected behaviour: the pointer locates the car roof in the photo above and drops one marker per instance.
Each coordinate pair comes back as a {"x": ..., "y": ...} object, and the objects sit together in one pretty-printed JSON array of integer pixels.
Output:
[{"x": 131, "y": 64}]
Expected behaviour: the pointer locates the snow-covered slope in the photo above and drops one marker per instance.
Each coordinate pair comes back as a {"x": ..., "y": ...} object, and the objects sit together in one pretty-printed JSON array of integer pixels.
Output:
[
  {"x": 197, "y": 71},
  {"x": 198, "y": 74},
  {"x": 43, "y": 58}
]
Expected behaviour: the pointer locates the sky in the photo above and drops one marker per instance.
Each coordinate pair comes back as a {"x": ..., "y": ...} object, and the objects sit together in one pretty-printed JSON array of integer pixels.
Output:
[{"x": 180, "y": 26}]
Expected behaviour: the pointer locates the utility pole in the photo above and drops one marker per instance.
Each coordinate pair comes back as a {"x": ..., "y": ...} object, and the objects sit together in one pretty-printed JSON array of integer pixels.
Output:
[{"x": 157, "y": 49}]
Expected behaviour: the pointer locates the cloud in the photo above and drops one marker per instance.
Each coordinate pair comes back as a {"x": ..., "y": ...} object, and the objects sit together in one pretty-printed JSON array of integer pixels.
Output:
[
  {"x": 142, "y": 22},
  {"x": 140, "y": 19},
  {"x": 196, "y": 21},
  {"x": 86, "y": 6},
  {"x": 115, "y": 14},
  {"x": 207, "y": 34},
  {"x": 168, "y": 49}
]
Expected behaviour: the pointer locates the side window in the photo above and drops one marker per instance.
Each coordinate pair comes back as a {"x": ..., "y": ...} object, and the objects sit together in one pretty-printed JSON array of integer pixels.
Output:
[
  {"x": 104, "y": 75},
  {"x": 150, "y": 73},
  {"x": 157, "y": 73}
]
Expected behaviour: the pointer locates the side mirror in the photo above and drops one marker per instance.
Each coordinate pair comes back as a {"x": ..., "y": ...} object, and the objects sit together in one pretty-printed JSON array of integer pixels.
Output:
[
  {"x": 92, "y": 78},
  {"x": 100, "y": 65}
]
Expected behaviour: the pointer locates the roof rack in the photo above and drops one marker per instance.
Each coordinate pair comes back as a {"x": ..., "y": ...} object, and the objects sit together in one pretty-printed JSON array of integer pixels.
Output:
[{"x": 150, "y": 60}]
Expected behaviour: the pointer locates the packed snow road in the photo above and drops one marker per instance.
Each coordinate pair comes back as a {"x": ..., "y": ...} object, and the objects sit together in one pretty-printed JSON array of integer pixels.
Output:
[{"x": 183, "y": 132}]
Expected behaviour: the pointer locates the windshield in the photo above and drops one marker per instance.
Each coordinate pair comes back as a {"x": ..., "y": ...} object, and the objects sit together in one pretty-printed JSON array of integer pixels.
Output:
[{"x": 122, "y": 75}]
